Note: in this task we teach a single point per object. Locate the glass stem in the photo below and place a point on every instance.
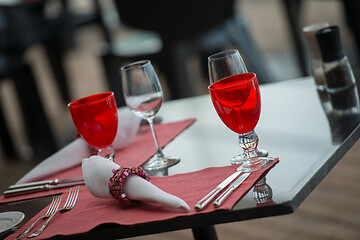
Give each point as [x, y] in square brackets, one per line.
[249, 142]
[159, 152]
[108, 153]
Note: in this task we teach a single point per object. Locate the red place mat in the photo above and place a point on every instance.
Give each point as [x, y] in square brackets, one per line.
[138, 152]
[90, 212]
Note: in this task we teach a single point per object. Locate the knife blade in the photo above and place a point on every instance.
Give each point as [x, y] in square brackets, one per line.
[205, 200]
[230, 189]
[50, 182]
[40, 188]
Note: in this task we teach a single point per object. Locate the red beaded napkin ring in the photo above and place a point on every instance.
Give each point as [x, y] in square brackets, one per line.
[117, 180]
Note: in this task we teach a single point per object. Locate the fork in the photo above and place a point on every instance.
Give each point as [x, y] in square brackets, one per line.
[54, 205]
[69, 204]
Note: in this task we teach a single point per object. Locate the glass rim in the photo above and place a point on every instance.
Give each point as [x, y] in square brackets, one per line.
[222, 54]
[77, 103]
[134, 65]
[253, 76]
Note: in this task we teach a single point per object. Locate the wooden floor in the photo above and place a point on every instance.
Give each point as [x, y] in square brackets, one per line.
[332, 211]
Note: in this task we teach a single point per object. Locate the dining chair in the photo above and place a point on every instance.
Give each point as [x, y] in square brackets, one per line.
[184, 29]
[24, 24]
[33, 114]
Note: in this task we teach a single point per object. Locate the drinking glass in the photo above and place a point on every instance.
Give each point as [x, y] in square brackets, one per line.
[144, 96]
[225, 64]
[96, 119]
[236, 97]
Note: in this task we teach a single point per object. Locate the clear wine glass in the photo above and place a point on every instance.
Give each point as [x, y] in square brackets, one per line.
[225, 64]
[144, 96]
[96, 119]
[236, 97]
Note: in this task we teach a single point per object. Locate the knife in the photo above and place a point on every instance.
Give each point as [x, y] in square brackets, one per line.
[40, 188]
[228, 191]
[50, 182]
[205, 200]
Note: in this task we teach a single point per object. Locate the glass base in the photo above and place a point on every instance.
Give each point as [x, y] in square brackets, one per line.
[262, 153]
[242, 157]
[161, 163]
[158, 173]
[254, 164]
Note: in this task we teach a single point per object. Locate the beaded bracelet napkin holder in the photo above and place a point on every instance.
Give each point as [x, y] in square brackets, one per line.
[106, 179]
[117, 180]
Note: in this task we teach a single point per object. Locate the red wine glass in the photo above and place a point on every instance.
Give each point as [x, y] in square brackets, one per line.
[225, 64]
[96, 119]
[236, 97]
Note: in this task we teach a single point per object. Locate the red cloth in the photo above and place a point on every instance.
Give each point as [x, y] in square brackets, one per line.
[137, 153]
[90, 212]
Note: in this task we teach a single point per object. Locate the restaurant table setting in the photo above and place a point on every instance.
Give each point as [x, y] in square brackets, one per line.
[102, 211]
[179, 188]
[173, 191]
[110, 165]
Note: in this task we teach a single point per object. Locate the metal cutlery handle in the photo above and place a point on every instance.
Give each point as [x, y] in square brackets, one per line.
[223, 196]
[43, 226]
[21, 191]
[230, 189]
[32, 184]
[22, 235]
[45, 182]
[69, 204]
[205, 200]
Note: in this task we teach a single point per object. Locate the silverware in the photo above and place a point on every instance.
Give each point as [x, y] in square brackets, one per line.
[211, 195]
[230, 189]
[40, 188]
[69, 204]
[51, 210]
[50, 182]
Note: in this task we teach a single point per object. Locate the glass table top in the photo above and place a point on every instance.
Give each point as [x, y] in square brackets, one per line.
[293, 126]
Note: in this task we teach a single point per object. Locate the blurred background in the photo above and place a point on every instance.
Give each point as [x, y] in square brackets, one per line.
[55, 51]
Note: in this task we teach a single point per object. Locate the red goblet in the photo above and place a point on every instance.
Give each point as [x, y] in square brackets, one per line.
[237, 102]
[96, 119]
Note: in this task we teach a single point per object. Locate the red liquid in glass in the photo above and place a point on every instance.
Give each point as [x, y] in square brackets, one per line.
[237, 101]
[96, 119]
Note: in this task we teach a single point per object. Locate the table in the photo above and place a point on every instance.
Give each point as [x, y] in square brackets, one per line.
[293, 126]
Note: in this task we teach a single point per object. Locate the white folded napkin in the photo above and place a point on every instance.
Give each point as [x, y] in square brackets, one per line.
[72, 154]
[97, 172]
[128, 125]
